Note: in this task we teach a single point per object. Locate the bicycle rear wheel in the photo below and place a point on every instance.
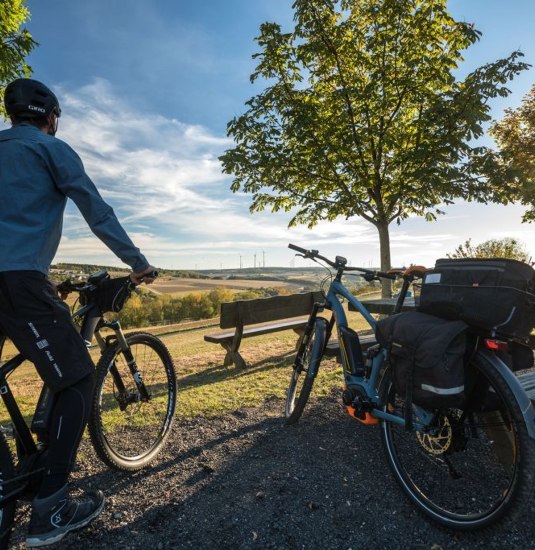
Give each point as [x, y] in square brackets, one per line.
[128, 429]
[7, 512]
[476, 466]
[306, 367]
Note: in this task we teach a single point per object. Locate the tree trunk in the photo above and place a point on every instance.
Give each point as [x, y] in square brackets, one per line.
[384, 247]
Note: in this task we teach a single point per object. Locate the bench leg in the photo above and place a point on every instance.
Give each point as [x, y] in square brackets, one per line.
[228, 357]
[233, 358]
[239, 361]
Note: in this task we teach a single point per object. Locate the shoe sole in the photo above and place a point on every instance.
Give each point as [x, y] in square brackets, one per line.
[34, 542]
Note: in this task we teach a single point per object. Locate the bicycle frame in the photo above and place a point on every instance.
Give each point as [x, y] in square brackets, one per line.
[368, 383]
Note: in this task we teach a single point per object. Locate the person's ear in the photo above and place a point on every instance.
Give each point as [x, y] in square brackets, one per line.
[52, 126]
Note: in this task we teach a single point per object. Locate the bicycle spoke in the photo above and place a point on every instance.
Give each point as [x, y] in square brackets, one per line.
[129, 425]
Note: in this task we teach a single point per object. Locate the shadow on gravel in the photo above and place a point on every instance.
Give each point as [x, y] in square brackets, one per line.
[247, 481]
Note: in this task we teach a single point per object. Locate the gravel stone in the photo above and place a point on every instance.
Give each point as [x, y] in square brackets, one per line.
[247, 481]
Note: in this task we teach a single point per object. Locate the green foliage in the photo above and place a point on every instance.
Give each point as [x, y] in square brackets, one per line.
[183, 274]
[515, 136]
[15, 43]
[145, 308]
[254, 293]
[363, 115]
[493, 248]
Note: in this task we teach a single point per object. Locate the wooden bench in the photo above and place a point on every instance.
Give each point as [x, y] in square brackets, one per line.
[248, 318]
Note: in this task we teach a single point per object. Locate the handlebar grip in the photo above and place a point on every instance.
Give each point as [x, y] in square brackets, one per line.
[297, 248]
[153, 274]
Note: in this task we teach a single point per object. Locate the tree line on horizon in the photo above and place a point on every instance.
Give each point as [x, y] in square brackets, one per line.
[88, 269]
[146, 308]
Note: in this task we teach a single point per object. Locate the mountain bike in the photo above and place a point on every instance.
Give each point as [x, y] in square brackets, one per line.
[133, 403]
[464, 468]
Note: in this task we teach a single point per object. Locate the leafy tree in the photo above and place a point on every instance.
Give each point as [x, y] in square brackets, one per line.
[145, 308]
[515, 135]
[134, 313]
[364, 116]
[15, 43]
[218, 296]
[493, 248]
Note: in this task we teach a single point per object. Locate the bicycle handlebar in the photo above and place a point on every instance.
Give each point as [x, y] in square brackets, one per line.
[68, 286]
[368, 274]
[153, 274]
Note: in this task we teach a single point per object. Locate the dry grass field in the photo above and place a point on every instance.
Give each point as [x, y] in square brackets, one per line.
[187, 286]
[205, 387]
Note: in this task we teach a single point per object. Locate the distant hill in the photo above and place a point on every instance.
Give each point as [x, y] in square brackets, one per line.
[87, 269]
[307, 277]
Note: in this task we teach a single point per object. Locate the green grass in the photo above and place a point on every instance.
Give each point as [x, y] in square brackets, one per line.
[205, 386]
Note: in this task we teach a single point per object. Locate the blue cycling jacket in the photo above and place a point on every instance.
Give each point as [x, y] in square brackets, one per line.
[37, 174]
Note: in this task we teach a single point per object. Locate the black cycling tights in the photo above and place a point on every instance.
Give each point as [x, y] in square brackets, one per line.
[69, 417]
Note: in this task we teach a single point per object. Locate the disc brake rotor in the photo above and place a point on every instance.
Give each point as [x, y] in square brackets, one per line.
[439, 440]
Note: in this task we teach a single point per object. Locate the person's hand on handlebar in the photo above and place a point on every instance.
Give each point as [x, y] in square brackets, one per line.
[146, 276]
[60, 289]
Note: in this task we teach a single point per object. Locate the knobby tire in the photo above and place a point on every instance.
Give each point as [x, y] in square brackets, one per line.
[305, 370]
[130, 439]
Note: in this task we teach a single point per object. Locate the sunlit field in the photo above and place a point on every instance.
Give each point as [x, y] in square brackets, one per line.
[205, 386]
[175, 285]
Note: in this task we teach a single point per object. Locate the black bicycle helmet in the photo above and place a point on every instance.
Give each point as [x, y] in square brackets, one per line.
[30, 98]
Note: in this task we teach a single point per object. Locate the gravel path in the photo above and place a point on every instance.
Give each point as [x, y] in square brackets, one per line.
[247, 481]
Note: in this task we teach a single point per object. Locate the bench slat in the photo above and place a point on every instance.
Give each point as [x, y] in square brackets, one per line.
[263, 310]
[256, 330]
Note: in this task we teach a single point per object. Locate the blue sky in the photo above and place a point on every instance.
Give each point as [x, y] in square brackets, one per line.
[147, 88]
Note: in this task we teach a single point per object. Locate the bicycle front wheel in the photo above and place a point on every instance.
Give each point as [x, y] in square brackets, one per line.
[474, 466]
[132, 411]
[7, 511]
[306, 368]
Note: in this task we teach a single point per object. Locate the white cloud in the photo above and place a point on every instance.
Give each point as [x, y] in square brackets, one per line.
[144, 165]
[164, 180]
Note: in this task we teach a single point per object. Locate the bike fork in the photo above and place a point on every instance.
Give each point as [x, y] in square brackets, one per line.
[131, 363]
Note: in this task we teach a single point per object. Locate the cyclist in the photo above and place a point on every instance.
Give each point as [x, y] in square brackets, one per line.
[38, 172]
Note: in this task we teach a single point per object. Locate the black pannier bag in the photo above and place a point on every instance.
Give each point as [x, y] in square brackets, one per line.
[427, 358]
[492, 295]
[109, 294]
